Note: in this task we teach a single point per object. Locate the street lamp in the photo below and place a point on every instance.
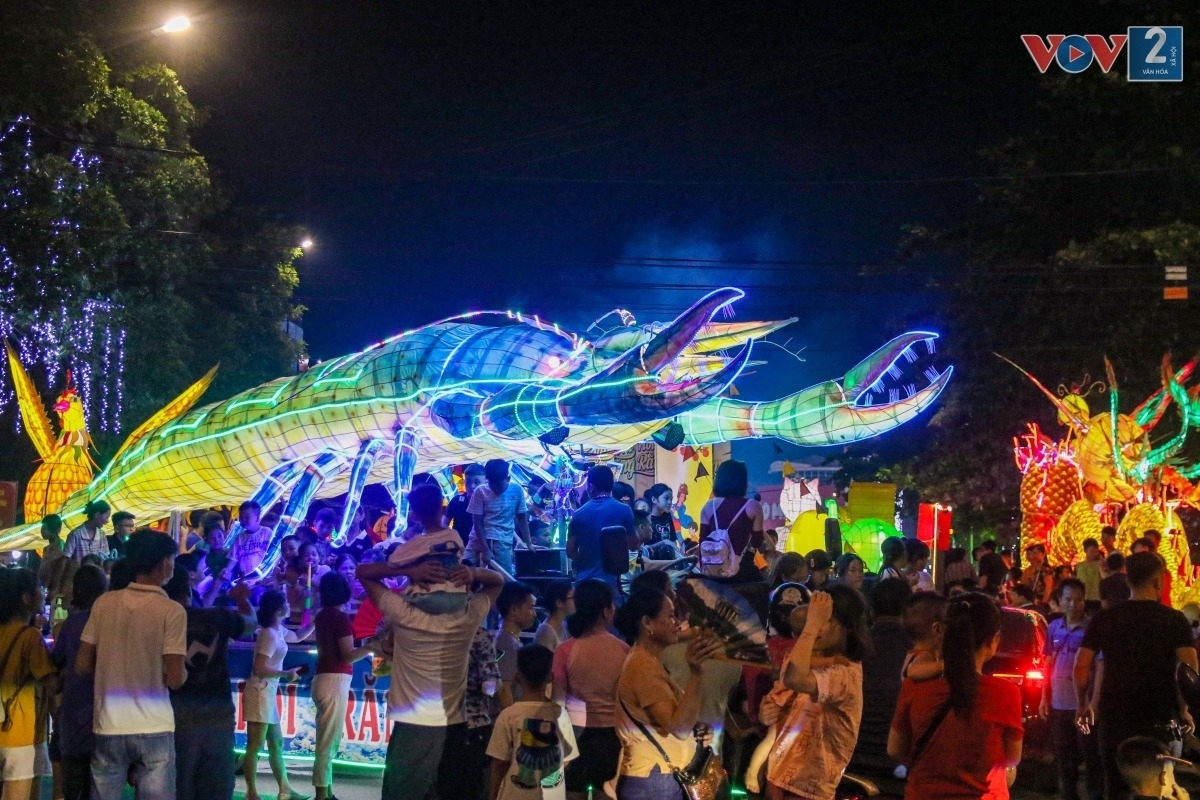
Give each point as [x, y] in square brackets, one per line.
[176, 24]
[306, 244]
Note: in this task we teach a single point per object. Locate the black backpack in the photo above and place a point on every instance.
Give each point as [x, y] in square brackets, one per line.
[614, 550]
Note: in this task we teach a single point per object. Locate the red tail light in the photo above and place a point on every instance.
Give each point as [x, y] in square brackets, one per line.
[1035, 675]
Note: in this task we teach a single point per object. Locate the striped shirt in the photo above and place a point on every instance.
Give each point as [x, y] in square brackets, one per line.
[81, 542]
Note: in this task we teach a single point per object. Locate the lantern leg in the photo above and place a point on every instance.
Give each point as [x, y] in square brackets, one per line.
[274, 487]
[408, 440]
[364, 462]
[306, 488]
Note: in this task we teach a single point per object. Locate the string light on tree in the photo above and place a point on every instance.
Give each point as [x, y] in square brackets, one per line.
[54, 330]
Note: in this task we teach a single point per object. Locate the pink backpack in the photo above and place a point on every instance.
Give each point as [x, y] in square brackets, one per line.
[717, 556]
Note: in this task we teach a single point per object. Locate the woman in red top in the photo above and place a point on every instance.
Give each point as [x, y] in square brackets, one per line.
[958, 734]
[336, 655]
[742, 518]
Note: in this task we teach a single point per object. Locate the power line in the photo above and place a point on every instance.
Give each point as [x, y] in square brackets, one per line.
[419, 176]
[641, 110]
[948, 179]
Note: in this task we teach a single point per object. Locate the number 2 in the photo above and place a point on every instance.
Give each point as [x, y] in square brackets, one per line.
[1153, 57]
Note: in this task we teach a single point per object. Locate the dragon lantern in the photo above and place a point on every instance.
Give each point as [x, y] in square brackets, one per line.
[459, 390]
[1107, 463]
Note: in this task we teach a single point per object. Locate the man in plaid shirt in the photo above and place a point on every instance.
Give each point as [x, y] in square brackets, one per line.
[89, 539]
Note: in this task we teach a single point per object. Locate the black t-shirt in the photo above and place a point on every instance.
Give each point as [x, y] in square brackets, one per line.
[664, 528]
[882, 668]
[992, 566]
[205, 698]
[460, 520]
[357, 546]
[1115, 588]
[116, 546]
[1138, 639]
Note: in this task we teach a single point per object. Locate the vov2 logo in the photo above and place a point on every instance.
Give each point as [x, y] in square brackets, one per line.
[1155, 52]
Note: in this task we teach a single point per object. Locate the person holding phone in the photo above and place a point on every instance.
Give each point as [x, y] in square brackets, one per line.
[262, 715]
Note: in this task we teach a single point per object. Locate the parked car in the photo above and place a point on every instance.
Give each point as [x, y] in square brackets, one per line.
[1020, 660]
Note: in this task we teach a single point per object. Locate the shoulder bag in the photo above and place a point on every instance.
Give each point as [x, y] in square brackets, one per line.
[1010, 773]
[703, 778]
[923, 742]
[6, 722]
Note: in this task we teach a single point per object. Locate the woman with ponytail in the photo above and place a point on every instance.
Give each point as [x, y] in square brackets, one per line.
[586, 669]
[958, 734]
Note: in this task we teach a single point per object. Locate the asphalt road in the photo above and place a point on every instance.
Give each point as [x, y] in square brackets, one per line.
[369, 786]
[345, 787]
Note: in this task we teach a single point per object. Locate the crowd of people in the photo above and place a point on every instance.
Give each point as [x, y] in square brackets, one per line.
[576, 687]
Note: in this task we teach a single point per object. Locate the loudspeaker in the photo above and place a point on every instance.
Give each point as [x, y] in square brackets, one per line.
[833, 538]
[534, 563]
[614, 550]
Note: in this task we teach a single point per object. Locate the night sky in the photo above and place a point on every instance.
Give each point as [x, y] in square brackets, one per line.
[569, 158]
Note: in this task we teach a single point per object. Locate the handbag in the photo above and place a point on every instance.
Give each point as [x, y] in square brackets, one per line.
[703, 778]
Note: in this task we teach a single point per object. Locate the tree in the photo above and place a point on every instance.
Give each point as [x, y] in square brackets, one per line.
[119, 258]
[1060, 264]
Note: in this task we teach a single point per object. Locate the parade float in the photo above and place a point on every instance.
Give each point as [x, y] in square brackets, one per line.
[487, 385]
[654, 400]
[1112, 468]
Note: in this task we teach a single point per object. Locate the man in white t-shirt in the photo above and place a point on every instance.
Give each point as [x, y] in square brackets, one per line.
[500, 512]
[430, 652]
[135, 642]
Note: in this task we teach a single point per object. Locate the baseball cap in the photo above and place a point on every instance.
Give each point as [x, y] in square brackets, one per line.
[440, 598]
[443, 545]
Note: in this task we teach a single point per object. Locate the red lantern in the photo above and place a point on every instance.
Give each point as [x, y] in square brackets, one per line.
[934, 522]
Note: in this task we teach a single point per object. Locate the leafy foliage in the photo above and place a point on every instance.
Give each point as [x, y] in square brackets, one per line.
[1059, 265]
[115, 203]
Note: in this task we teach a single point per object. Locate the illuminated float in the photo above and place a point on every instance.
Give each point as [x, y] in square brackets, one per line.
[1105, 470]
[486, 385]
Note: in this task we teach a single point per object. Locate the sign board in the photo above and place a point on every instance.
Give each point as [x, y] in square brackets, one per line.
[366, 730]
[689, 472]
[872, 501]
[1175, 293]
[8, 504]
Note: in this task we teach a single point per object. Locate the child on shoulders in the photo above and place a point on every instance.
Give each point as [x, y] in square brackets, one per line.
[924, 620]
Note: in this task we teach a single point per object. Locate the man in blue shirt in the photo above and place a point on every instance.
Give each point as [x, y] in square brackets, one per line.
[584, 546]
[1071, 748]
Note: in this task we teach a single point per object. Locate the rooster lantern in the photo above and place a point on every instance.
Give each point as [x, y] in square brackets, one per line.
[66, 464]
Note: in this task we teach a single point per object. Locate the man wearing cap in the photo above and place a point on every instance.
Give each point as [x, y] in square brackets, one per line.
[432, 626]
